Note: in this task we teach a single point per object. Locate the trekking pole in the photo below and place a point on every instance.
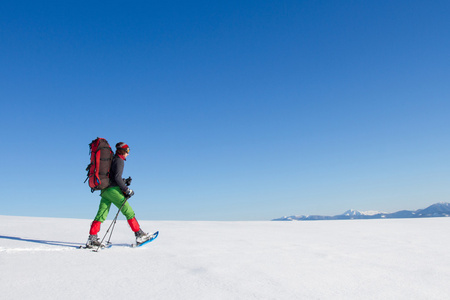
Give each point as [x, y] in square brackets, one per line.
[115, 219]
[112, 223]
[112, 230]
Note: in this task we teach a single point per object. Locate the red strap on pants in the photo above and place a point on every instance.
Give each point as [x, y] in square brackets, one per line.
[95, 227]
[134, 224]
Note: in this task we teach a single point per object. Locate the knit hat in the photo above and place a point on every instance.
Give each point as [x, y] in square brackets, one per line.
[123, 146]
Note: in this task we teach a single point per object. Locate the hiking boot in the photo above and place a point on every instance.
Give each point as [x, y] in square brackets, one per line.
[94, 241]
[142, 236]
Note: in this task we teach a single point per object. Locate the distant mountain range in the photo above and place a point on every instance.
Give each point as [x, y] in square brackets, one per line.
[436, 210]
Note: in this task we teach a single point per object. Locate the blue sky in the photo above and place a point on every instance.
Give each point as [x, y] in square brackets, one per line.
[234, 110]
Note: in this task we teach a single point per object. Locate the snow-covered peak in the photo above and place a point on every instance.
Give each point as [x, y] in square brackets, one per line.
[441, 209]
[353, 212]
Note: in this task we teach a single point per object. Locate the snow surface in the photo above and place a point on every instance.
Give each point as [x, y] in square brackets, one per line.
[350, 259]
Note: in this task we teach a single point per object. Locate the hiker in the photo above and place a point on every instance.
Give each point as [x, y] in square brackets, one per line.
[116, 193]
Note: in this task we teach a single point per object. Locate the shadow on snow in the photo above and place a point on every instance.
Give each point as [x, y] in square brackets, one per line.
[51, 243]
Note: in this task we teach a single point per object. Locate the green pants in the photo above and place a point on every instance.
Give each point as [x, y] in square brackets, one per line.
[113, 195]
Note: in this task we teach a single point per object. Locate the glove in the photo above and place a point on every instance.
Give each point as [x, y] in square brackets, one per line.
[129, 193]
[127, 181]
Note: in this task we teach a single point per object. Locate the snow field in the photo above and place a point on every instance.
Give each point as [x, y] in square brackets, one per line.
[355, 259]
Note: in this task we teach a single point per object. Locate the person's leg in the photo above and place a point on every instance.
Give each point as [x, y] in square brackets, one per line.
[103, 210]
[134, 225]
[129, 214]
[102, 213]
[116, 196]
[95, 227]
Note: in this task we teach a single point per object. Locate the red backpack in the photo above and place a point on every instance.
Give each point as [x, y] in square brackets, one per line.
[98, 169]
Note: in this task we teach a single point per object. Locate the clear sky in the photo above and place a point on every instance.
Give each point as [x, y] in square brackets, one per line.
[234, 110]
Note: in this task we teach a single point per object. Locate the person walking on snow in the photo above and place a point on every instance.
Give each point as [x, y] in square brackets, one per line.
[117, 193]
